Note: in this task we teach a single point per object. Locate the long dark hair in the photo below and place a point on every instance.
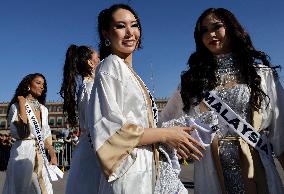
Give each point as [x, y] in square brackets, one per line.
[200, 77]
[76, 63]
[104, 20]
[23, 89]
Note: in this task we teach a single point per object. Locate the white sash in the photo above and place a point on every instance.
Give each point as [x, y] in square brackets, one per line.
[53, 171]
[238, 125]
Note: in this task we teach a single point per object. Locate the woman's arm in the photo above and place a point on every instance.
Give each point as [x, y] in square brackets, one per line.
[22, 110]
[21, 123]
[51, 151]
[175, 137]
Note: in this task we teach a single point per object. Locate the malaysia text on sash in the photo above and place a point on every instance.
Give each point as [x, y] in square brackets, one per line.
[237, 124]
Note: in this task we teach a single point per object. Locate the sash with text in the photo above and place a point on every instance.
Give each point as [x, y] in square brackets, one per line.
[53, 171]
[238, 125]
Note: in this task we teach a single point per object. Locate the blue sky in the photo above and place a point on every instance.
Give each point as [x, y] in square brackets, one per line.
[34, 36]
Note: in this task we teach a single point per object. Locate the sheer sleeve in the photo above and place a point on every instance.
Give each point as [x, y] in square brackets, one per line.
[173, 108]
[276, 95]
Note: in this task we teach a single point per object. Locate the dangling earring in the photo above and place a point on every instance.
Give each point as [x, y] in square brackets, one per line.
[107, 42]
[29, 88]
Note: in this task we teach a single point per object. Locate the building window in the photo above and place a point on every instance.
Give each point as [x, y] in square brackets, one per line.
[49, 108]
[51, 122]
[59, 109]
[3, 125]
[59, 121]
[2, 111]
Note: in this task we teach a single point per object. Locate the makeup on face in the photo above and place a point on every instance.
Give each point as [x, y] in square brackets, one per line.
[214, 35]
[37, 86]
[124, 33]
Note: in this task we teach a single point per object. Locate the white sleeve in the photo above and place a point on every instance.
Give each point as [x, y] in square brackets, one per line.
[47, 130]
[173, 108]
[12, 117]
[276, 94]
[113, 137]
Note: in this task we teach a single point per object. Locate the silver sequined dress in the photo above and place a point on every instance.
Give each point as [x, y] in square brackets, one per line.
[237, 95]
[237, 98]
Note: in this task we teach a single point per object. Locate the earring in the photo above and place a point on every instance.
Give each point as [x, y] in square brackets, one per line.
[107, 42]
[29, 88]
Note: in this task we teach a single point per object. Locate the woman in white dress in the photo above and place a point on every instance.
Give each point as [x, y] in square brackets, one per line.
[26, 172]
[123, 116]
[226, 63]
[79, 66]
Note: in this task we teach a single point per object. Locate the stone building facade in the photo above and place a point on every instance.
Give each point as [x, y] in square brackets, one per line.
[56, 118]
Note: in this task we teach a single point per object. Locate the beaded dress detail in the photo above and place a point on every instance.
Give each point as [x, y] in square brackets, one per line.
[237, 97]
[34, 104]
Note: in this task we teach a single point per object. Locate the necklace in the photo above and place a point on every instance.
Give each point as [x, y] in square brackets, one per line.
[34, 103]
[226, 70]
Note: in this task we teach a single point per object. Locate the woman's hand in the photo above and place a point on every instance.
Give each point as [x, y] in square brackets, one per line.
[21, 99]
[180, 139]
[53, 158]
[22, 109]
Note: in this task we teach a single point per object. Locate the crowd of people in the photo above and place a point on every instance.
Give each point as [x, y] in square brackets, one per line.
[226, 115]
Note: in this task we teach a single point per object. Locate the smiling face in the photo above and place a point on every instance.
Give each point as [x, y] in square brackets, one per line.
[124, 33]
[215, 36]
[37, 87]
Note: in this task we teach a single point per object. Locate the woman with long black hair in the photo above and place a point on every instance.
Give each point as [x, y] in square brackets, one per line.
[27, 170]
[227, 67]
[123, 116]
[78, 80]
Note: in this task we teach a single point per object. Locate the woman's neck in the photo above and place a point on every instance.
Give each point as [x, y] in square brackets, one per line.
[128, 60]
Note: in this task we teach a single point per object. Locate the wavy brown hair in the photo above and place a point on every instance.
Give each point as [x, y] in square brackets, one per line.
[104, 20]
[76, 64]
[200, 78]
[23, 89]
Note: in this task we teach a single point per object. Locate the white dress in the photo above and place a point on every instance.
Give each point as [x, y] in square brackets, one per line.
[119, 110]
[85, 175]
[21, 177]
[205, 175]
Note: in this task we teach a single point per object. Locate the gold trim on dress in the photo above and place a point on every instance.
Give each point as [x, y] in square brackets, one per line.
[119, 146]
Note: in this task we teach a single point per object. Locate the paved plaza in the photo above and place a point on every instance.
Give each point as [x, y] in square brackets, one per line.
[59, 186]
[186, 177]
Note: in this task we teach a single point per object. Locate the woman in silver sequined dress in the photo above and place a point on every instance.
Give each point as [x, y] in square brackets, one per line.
[226, 62]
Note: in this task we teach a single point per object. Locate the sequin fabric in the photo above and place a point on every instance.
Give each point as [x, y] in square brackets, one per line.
[226, 69]
[168, 183]
[229, 158]
[237, 97]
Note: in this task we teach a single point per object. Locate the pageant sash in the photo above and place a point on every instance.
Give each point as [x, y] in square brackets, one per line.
[238, 125]
[52, 170]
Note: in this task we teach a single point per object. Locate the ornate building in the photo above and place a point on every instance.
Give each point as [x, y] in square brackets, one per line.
[56, 118]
